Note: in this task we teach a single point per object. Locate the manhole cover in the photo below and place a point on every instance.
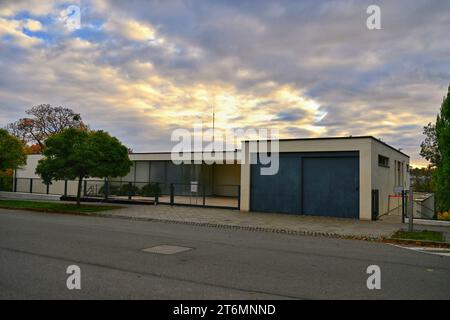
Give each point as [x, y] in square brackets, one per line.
[166, 249]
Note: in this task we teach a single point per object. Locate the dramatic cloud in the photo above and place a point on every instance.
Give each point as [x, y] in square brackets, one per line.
[140, 69]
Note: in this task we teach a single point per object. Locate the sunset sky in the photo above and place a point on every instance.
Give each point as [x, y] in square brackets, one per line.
[140, 69]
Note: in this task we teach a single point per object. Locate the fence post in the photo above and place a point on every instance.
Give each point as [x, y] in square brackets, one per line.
[411, 209]
[204, 194]
[239, 197]
[403, 206]
[156, 192]
[171, 194]
[65, 187]
[85, 188]
[106, 189]
[130, 185]
[31, 185]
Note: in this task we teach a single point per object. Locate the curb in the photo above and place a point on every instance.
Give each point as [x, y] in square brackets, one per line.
[248, 228]
[423, 243]
[221, 226]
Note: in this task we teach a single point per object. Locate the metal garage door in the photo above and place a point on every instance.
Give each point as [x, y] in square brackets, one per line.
[324, 184]
[280, 192]
[330, 186]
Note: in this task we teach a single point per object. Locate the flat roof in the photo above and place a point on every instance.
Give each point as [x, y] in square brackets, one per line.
[333, 138]
[294, 139]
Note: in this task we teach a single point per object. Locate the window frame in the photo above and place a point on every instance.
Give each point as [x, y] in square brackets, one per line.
[382, 163]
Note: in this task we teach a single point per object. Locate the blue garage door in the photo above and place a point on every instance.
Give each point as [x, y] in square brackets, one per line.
[325, 184]
[330, 186]
[280, 192]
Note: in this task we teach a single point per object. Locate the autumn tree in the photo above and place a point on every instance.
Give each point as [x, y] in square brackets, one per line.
[43, 122]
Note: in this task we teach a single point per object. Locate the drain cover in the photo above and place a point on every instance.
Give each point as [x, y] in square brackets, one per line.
[166, 249]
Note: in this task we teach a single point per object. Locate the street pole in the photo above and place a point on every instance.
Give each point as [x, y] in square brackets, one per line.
[411, 210]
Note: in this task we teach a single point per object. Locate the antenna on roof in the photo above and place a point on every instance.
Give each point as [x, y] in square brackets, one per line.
[213, 125]
[214, 116]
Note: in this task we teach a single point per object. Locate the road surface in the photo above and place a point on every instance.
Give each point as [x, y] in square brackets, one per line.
[37, 248]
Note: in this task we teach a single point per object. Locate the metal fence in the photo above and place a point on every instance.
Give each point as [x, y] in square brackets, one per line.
[204, 195]
[194, 194]
[425, 206]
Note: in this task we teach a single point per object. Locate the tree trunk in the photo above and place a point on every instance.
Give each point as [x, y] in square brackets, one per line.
[80, 180]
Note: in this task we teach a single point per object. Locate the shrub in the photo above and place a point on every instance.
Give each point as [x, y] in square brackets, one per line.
[127, 190]
[6, 183]
[444, 215]
[112, 190]
[150, 190]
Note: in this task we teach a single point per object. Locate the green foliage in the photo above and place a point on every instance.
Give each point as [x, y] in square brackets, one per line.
[442, 175]
[111, 156]
[419, 235]
[12, 153]
[126, 190]
[422, 179]
[429, 147]
[112, 190]
[77, 154]
[123, 190]
[6, 183]
[67, 155]
[436, 149]
[150, 190]
[54, 206]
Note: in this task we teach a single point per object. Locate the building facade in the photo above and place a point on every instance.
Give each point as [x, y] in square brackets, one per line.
[348, 177]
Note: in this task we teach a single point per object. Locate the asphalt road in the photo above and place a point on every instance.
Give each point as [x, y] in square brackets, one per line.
[36, 249]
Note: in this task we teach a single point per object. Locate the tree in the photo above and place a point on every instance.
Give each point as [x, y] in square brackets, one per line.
[45, 122]
[111, 156]
[429, 147]
[443, 167]
[12, 153]
[77, 154]
[436, 149]
[422, 179]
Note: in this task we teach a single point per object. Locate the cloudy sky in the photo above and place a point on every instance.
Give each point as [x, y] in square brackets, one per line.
[140, 69]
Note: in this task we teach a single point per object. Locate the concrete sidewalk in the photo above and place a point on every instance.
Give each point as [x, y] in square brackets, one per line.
[281, 223]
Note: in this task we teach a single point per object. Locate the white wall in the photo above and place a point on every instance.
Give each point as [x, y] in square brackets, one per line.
[27, 171]
[385, 179]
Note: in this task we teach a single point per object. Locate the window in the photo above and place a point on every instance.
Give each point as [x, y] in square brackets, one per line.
[383, 161]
